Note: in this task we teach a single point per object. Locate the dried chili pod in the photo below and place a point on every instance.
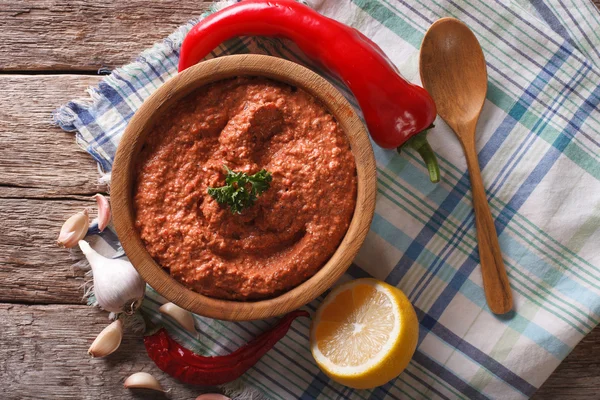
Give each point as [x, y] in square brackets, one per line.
[192, 368]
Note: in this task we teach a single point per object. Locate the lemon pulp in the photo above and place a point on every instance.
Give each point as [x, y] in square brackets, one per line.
[364, 334]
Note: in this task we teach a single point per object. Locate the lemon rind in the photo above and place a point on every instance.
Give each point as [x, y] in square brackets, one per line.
[380, 357]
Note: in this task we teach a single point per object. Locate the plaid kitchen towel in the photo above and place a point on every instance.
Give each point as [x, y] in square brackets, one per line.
[539, 150]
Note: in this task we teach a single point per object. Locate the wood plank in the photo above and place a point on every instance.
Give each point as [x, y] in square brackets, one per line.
[38, 159]
[85, 35]
[42, 341]
[32, 268]
[578, 376]
[44, 355]
[30, 41]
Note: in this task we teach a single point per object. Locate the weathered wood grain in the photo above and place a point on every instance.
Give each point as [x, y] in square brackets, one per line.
[42, 351]
[578, 376]
[32, 268]
[85, 35]
[44, 356]
[38, 159]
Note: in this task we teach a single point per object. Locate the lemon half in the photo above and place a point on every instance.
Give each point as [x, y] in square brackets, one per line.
[364, 333]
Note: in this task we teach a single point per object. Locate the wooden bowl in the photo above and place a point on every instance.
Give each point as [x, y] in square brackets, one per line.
[123, 176]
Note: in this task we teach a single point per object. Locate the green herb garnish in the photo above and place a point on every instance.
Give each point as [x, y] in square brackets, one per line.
[241, 190]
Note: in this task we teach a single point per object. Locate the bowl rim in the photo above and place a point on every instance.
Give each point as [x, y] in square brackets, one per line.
[204, 73]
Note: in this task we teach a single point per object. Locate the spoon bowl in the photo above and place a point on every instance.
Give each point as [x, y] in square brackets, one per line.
[453, 71]
[450, 44]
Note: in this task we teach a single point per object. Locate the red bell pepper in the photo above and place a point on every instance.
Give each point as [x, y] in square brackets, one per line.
[395, 110]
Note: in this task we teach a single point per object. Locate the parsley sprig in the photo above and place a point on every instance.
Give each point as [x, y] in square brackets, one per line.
[241, 190]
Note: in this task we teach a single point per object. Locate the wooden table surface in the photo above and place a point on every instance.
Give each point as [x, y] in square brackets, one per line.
[50, 52]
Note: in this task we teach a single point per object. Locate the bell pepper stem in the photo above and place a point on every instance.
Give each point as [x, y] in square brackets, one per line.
[421, 145]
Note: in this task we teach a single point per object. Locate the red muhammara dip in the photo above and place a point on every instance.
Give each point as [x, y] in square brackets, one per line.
[293, 228]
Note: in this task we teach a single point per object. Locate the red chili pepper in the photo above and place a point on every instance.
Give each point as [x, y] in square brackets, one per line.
[395, 110]
[189, 367]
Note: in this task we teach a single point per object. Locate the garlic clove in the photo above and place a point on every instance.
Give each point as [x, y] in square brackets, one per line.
[108, 341]
[212, 396]
[183, 317]
[73, 230]
[65, 238]
[142, 380]
[104, 213]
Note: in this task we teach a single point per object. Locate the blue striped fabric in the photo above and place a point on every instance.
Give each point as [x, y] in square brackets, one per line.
[539, 150]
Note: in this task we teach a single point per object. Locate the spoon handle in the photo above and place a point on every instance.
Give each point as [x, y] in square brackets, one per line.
[495, 280]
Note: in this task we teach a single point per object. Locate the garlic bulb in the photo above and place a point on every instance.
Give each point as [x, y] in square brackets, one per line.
[183, 317]
[73, 230]
[142, 380]
[104, 213]
[108, 341]
[117, 285]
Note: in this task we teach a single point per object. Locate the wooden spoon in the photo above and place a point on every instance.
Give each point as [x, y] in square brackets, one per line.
[453, 71]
